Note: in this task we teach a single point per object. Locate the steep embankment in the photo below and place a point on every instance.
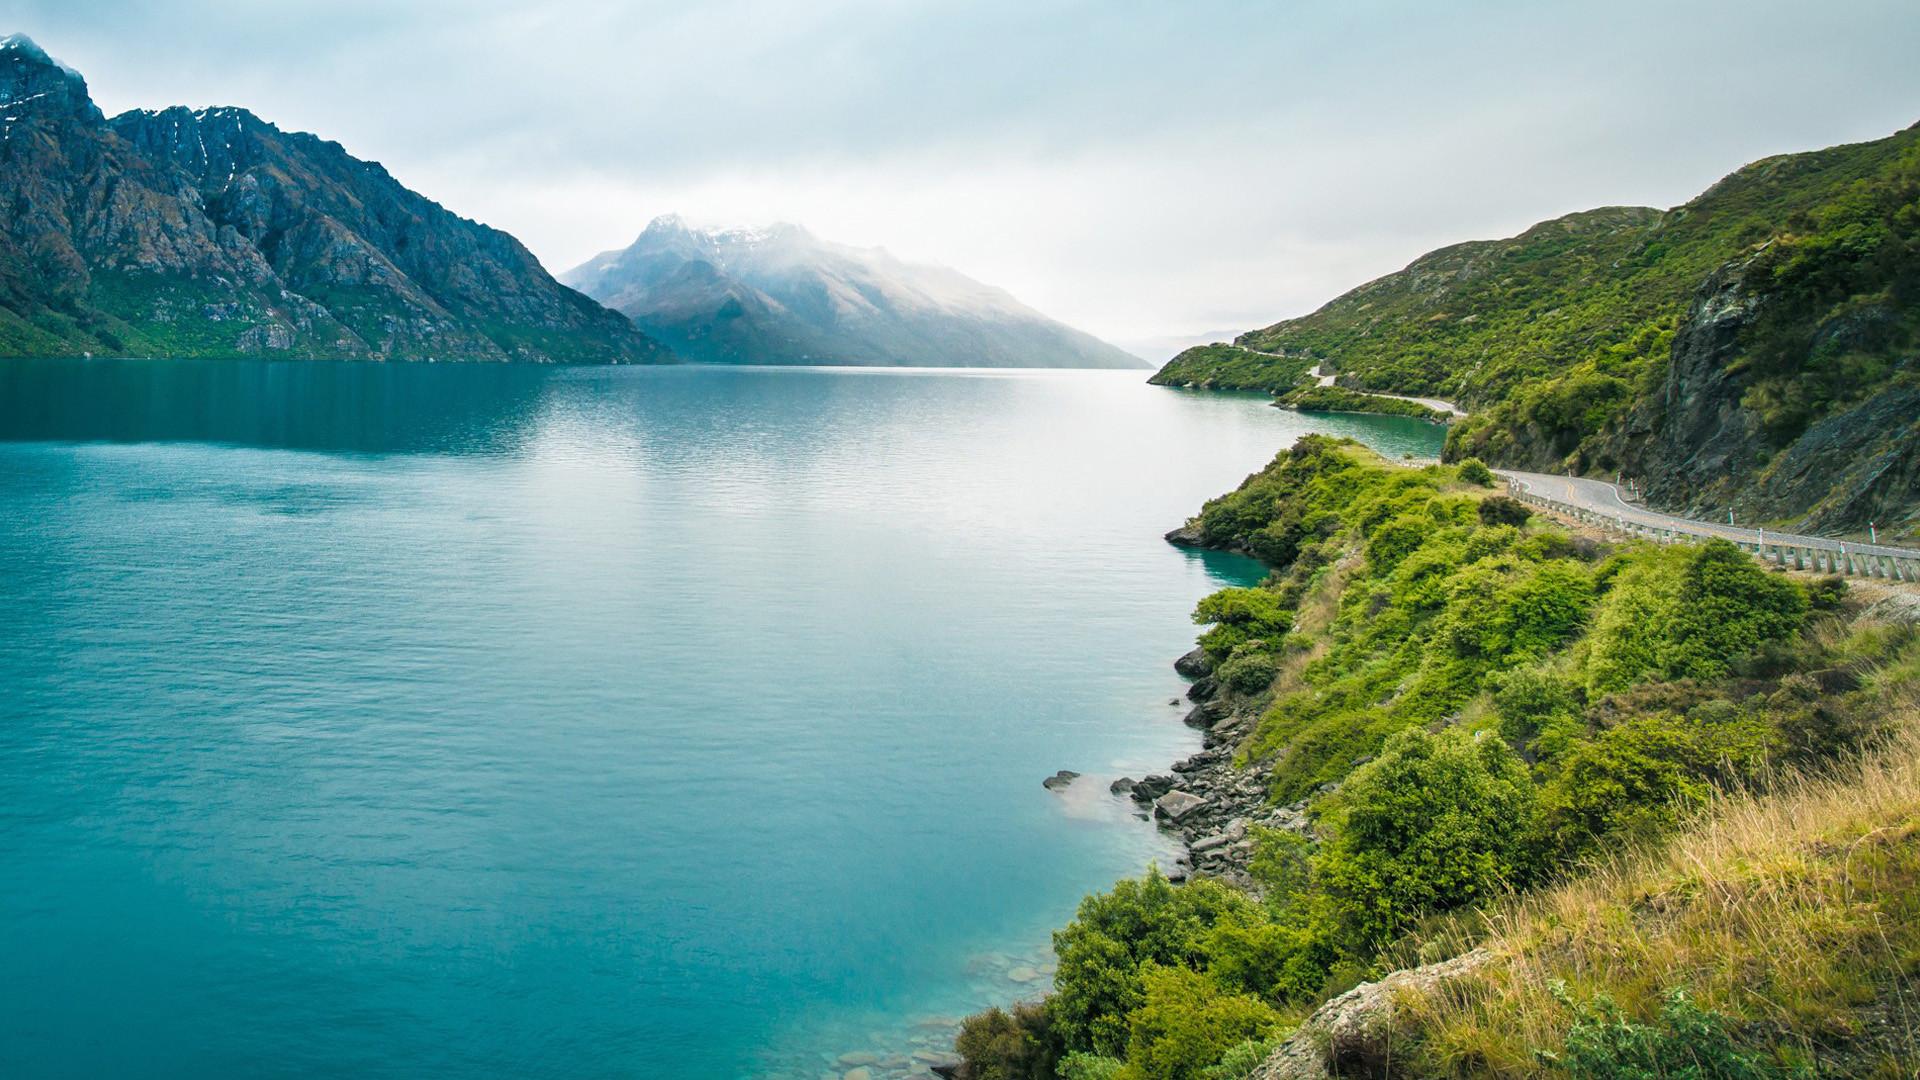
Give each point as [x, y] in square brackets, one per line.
[211, 232]
[1754, 347]
[1448, 702]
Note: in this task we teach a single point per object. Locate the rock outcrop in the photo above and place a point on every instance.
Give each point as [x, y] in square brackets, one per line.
[1702, 448]
[1353, 1034]
[211, 232]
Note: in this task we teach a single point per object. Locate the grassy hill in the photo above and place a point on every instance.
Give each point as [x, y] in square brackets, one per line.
[1783, 303]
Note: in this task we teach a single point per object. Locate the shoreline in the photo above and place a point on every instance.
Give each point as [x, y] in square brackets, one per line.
[1206, 801]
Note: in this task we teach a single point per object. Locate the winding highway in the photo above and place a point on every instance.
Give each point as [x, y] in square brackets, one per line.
[1604, 499]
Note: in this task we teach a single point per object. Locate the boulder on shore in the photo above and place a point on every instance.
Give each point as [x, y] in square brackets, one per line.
[1188, 535]
[1151, 788]
[1195, 665]
[1175, 805]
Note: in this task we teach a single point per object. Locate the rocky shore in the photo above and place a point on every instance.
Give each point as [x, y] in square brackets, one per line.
[1208, 801]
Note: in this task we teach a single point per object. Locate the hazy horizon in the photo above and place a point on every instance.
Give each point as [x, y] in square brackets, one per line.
[1149, 175]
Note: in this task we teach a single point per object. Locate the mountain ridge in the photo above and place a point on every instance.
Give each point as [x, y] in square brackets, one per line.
[212, 232]
[778, 294]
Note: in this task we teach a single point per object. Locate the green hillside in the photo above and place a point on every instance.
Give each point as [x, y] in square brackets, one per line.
[1625, 339]
[1458, 710]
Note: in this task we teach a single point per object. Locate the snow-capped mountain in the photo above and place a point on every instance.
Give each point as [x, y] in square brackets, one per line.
[780, 295]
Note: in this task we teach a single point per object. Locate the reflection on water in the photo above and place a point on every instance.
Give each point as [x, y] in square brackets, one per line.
[412, 721]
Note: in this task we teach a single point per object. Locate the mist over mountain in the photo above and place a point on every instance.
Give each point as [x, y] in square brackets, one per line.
[780, 295]
[211, 232]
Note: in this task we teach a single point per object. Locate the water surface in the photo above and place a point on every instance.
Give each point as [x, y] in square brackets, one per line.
[363, 720]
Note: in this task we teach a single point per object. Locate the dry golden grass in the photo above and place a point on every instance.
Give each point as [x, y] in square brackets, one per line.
[1796, 913]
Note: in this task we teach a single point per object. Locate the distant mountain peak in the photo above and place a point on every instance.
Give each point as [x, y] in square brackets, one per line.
[778, 294]
[666, 224]
[672, 228]
[30, 50]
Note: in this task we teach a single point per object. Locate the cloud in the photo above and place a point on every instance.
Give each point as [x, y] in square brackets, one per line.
[1139, 169]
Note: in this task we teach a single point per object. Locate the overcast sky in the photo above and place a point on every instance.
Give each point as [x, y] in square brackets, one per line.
[1142, 170]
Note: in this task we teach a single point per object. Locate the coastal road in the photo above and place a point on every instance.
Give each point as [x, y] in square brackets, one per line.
[1600, 497]
[1324, 378]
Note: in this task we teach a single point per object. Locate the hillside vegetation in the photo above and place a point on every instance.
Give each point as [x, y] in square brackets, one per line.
[1470, 703]
[1716, 350]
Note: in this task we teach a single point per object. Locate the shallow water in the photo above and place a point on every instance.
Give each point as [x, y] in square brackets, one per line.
[360, 720]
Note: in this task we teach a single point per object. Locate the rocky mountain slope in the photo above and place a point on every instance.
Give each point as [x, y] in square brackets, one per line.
[211, 232]
[1754, 348]
[783, 296]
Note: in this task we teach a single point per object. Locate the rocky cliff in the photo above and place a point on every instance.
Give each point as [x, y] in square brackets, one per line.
[211, 232]
[1706, 440]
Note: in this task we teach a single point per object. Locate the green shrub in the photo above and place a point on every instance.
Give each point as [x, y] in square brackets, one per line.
[1685, 1043]
[1539, 710]
[1089, 1067]
[1502, 510]
[1475, 471]
[1435, 822]
[1249, 670]
[1639, 778]
[1238, 616]
[1114, 935]
[1187, 1023]
[1239, 1062]
[1687, 613]
[1016, 1044]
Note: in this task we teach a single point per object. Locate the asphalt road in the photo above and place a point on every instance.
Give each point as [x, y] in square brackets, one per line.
[1604, 498]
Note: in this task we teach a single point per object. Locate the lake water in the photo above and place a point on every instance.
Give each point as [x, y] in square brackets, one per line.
[417, 721]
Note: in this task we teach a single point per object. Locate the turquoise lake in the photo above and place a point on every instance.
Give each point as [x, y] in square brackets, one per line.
[431, 721]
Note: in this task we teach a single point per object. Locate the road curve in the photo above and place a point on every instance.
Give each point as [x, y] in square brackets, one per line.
[1603, 498]
[1322, 377]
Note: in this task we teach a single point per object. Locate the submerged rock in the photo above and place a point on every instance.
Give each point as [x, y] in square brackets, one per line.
[1122, 786]
[1058, 781]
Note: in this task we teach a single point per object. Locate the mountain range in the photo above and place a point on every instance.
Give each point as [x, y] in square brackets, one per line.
[210, 232]
[780, 295]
